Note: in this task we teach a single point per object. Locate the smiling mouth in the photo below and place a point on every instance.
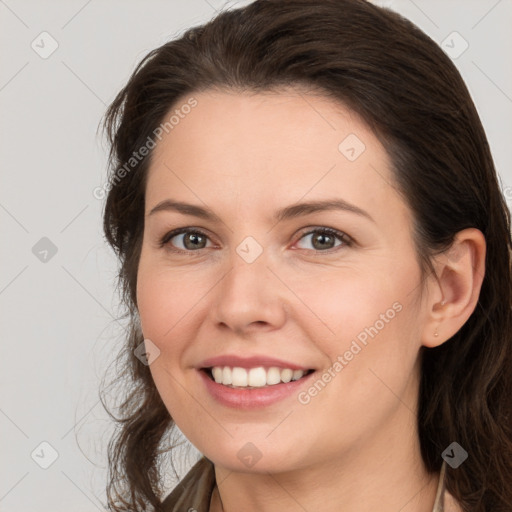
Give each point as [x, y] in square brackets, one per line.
[253, 378]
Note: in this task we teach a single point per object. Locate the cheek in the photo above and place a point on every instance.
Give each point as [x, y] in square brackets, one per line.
[347, 303]
[163, 296]
[365, 317]
[161, 301]
[171, 304]
[163, 305]
[152, 303]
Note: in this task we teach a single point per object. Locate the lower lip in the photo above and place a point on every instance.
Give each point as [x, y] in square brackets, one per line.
[240, 398]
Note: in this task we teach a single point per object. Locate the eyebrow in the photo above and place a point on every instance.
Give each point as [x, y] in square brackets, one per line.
[289, 212]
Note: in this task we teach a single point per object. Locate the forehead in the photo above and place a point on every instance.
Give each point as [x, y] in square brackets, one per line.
[268, 146]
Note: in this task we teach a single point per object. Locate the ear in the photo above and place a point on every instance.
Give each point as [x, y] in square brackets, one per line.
[455, 289]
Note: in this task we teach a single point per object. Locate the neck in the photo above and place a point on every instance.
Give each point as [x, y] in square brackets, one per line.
[385, 474]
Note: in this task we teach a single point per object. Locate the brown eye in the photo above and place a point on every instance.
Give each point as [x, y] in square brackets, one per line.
[190, 240]
[324, 239]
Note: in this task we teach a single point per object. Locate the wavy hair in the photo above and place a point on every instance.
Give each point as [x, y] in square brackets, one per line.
[411, 95]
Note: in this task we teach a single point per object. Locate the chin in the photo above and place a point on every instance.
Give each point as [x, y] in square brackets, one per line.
[258, 458]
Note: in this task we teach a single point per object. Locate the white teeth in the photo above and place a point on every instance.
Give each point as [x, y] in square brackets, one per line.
[257, 377]
[286, 375]
[273, 376]
[226, 375]
[297, 374]
[254, 377]
[217, 374]
[239, 377]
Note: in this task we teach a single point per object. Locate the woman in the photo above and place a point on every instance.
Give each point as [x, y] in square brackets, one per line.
[316, 259]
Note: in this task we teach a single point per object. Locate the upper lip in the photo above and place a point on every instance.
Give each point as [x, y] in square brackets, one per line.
[249, 362]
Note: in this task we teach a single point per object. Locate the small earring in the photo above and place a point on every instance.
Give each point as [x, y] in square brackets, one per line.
[436, 334]
[443, 303]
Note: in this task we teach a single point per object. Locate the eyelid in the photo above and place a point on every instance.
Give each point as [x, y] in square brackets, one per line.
[164, 241]
[314, 229]
[347, 240]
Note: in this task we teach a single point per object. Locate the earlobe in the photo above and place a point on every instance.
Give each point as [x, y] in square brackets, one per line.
[461, 270]
[436, 334]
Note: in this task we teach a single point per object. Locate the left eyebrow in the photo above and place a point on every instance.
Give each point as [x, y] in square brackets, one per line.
[301, 209]
[289, 212]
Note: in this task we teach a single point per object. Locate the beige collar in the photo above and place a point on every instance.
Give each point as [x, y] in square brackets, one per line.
[439, 501]
[444, 501]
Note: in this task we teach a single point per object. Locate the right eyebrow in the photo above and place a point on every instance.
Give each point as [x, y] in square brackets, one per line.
[186, 209]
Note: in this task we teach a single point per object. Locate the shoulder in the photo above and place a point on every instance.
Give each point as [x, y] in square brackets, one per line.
[194, 491]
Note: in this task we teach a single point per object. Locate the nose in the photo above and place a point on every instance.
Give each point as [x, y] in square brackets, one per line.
[249, 297]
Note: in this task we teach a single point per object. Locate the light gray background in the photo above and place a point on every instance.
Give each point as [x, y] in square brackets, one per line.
[58, 316]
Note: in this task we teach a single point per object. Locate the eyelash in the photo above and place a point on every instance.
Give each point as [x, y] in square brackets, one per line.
[347, 240]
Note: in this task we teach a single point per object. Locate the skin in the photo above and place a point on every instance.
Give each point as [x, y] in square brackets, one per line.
[355, 443]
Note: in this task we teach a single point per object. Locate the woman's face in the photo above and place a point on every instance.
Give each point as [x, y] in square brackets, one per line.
[253, 283]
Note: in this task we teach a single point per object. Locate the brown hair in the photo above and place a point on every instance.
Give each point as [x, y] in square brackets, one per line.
[410, 93]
